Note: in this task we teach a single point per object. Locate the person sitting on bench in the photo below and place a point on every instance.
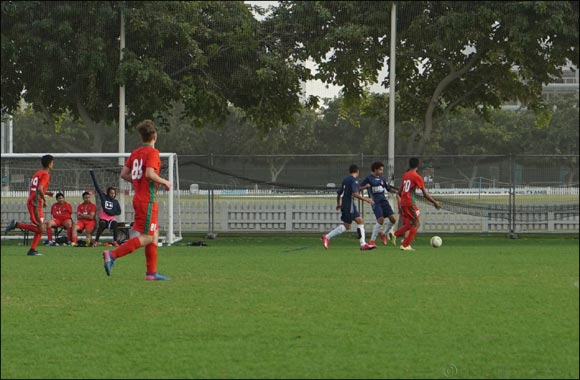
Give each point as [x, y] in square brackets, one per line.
[110, 208]
[61, 212]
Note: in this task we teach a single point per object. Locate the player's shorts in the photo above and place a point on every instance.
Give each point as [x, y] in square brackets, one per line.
[60, 222]
[86, 225]
[36, 213]
[409, 214]
[146, 217]
[383, 209]
[348, 217]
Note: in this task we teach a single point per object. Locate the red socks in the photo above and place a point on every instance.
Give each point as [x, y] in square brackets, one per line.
[151, 257]
[126, 248]
[409, 239]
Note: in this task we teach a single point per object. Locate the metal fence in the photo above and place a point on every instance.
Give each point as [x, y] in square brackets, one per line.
[296, 193]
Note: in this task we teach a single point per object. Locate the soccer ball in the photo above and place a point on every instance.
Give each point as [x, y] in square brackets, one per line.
[436, 242]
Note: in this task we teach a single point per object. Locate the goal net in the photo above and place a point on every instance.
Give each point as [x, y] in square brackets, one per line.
[71, 176]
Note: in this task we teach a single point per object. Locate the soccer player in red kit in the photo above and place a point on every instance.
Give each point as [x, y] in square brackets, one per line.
[86, 222]
[36, 201]
[408, 205]
[142, 170]
[61, 212]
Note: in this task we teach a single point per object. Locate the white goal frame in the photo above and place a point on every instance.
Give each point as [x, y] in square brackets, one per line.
[173, 235]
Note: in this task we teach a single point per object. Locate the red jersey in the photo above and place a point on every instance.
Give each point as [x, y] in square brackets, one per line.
[142, 158]
[40, 178]
[61, 211]
[409, 183]
[86, 209]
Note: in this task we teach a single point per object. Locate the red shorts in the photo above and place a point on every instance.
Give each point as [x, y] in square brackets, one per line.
[409, 214]
[86, 225]
[36, 213]
[146, 219]
[60, 222]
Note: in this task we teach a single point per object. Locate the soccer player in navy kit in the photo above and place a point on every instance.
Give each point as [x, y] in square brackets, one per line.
[348, 191]
[376, 185]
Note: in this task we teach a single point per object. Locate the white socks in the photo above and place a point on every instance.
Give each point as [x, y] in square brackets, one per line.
[388, 225]
[340, 229]
[361, 228]
[376, 230]
[337, 231]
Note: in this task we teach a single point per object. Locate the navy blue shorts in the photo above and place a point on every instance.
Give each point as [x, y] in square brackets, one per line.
[382, 209]
[348, 217]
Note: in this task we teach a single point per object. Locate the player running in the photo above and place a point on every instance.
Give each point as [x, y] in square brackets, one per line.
[348, 191]
[142, 169]
[36, 201]
[376, 185]
[408, 204]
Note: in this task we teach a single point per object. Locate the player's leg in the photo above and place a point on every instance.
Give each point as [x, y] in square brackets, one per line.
[142, 226]
[102, 227]
[68, 226]
[49, 225]
[347, 219]
[389, 230]
[389, 214]
[90, 227]
[151, 249]
[114, 227]
[36, 217]
[377, 227]
[414, 221]
[360, 230]
[78, 227]
[406, 215]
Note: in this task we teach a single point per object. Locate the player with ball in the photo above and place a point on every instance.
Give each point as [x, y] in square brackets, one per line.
[408, 204]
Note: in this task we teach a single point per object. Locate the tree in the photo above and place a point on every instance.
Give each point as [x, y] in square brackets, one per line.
[450, 53]
[64, 57]
[239, 135]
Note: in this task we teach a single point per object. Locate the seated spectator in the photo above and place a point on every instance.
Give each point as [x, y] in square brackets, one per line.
[110, 208]
[61, 212]
[85, 219]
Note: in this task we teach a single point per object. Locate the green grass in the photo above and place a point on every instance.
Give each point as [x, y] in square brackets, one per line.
[283, 307]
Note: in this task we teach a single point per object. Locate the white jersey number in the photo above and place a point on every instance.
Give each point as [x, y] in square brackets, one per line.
[406, 185]
[137, 171]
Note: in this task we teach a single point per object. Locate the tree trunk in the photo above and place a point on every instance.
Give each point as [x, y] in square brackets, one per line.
[96, 128]
[275, 171]
[436, 96]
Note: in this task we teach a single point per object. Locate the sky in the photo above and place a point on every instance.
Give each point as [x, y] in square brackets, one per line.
[317, 87]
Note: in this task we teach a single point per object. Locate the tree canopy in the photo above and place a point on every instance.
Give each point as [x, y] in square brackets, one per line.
[64, 57]
[473, 54]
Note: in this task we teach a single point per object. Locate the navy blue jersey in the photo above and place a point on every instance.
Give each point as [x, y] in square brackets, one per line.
[349, 187]
[110, 206]
[377, 189]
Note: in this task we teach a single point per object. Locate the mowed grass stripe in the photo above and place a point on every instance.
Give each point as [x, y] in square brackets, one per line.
[283, 307]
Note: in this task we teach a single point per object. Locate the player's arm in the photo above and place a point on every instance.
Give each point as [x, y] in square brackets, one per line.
[97, 188]
[126, 174]
[80, 215]
[151, 175]
[40, 190]
[365, 184]
[338, 204]
[430, 198]
[364, 199]
[391, 189]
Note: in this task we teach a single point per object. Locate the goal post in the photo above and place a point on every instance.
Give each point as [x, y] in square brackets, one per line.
[71, 176]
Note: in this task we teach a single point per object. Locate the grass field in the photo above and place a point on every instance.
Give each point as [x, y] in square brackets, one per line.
[283, 307]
